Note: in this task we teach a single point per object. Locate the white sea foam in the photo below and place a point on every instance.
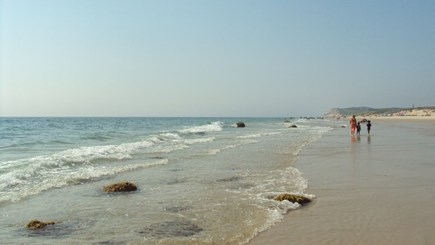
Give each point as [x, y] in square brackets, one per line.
[30, 181]
[165, 136]
[211, 127]
[82, 155]
[168, 148]
[213, 151]
[30, 176]
[8, 180]
[200, 140]
[166, 142]
[257, 135]
[249, 136]
[88, 154]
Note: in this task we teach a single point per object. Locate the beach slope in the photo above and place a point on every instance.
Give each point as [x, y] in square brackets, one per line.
[376, 189]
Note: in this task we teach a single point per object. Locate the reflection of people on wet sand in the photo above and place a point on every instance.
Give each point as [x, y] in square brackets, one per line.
[369, 126]
[354, 139]
[358, 129]
[352, 125]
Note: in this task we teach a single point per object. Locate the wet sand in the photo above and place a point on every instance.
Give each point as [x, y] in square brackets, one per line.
[377, 189]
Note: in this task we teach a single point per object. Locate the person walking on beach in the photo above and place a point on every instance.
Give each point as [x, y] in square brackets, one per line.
[352, 125]
[369, 126]
[358, 129]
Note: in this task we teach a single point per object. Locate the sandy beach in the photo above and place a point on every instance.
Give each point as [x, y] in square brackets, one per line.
[376, 189]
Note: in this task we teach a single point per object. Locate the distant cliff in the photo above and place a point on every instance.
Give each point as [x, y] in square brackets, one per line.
[368, 111]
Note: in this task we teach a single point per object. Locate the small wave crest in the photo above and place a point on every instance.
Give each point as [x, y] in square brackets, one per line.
[257, 135]
[86, 155]
[203, 129]
[201, 140]
[32, 180]
[82, 155]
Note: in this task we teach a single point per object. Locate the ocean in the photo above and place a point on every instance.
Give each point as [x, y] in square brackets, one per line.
[200, 180]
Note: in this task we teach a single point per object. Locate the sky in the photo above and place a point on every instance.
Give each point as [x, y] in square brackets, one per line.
[203, 58]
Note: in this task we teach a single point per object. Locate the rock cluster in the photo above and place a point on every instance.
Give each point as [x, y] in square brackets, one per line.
[120, 187]
[117, 187]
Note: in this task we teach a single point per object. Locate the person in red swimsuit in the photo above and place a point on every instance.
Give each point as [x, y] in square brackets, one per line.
[352, 125]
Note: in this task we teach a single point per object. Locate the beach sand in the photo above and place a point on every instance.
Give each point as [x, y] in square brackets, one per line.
[369, 190]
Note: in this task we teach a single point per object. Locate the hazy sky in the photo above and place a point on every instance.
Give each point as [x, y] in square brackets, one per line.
[213, 58]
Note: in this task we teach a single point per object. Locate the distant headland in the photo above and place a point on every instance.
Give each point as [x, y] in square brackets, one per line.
[427, 112]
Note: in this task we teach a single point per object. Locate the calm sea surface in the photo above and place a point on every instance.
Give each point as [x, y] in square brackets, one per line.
[200, 180]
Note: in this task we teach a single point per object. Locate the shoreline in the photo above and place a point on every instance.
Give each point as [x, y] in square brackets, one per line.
[394, 118]
[369, 190]
[403, 118]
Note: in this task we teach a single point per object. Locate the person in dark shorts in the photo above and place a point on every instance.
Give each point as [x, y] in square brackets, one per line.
[369, 126]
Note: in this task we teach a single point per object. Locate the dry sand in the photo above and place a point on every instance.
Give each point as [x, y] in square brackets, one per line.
[370, 190]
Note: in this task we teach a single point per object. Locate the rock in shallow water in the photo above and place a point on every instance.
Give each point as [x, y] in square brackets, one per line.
[120, 187]
[292, 198]
[37, 224]
[240, 124]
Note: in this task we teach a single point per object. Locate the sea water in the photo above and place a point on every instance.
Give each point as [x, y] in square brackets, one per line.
[200, 180]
